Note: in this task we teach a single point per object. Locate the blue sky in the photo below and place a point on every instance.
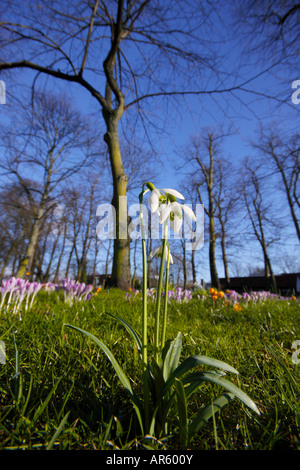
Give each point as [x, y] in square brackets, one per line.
[240, 112]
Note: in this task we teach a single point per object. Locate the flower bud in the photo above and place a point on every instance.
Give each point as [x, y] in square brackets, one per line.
[150, 186]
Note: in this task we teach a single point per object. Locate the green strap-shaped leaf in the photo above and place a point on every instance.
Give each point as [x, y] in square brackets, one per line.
[172, 357]
[194, 361]
[156, 379]
[156, 383]
[208, 411]
[58, 431]
[216, 378]
[119, 371]
[130, 330]
[193, 385]
[182, 414]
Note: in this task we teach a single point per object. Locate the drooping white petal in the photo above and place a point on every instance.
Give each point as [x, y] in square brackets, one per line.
[173, 192]
[176, 223]
[176, 209]
[158, 252]
[189, 212]
[154, 252]
[171, 257]
[164, 212]
[154, 200]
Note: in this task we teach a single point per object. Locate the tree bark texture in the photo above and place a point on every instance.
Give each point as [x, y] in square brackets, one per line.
[120, 275]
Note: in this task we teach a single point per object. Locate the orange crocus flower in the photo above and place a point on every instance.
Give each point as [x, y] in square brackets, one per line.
[237, 308]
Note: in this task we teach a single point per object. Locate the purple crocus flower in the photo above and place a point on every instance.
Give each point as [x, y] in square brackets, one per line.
[75, 291]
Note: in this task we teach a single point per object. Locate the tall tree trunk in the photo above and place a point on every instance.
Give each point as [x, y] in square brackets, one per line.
[46, 275]
[26, 263]
[212, 255]
[107, 259]
[269, 274]
[95, 261]
[288, 189]
[194, 267]
[120, 276]
[212, 235]
[82, 265]
[61, 253]
[224, 254]
[39, 260]
[69, 259]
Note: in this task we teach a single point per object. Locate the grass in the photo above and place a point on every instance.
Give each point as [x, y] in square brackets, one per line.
[58, 390]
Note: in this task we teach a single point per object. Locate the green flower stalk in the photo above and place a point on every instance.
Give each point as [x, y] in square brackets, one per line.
[145, 317]
[159, 293]
[164, 323]
[144, 320]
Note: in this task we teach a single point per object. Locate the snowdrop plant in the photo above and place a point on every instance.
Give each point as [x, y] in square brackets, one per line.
[167, 382]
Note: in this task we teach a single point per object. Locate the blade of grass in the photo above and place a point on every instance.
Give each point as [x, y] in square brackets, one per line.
[58, 431]
[42, 407]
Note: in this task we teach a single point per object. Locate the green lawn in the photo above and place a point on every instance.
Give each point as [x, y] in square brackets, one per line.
[59, 391]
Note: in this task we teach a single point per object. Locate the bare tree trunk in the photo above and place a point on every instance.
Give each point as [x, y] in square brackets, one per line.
[69, 259]
[40, 254]
[224, 254]
[212, 235]
[194, 267]
[208, 173]
[87, 238]
[288, 188]
[61, 253]
[258, 223]
[107, 259]
[269, 275]
[26, 263]
[95, 260]
[46, 275]
[120, 275]
[212, 255]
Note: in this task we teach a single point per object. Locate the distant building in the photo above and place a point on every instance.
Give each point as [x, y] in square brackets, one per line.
[286, 283]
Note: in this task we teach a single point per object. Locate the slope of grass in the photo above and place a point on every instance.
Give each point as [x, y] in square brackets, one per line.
[58, 390]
